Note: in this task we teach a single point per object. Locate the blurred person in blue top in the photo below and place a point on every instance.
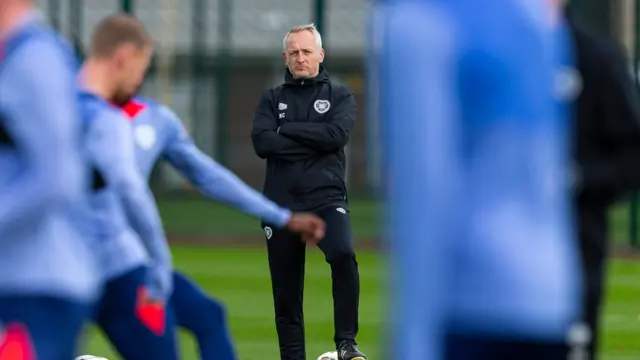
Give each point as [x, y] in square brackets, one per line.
[48, 274]
[135, 257]
[477, 151]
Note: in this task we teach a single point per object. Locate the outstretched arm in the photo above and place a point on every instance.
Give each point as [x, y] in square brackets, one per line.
[215, 181]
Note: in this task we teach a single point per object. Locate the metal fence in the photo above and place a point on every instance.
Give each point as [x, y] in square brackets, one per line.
[214, 58]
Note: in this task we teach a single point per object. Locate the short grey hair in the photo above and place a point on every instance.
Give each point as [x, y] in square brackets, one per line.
[300, 28]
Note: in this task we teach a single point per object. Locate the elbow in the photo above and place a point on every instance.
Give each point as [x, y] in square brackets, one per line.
[335, 144]
[260, 148]
[341, 142]
[261, 153]
[128, 187]
[337, 138]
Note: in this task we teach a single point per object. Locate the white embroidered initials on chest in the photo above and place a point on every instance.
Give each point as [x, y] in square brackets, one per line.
[322, 106]
[145, 136]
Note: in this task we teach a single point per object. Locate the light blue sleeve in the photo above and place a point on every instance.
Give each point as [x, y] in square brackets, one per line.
[214, 180]
[110, 143]
[419, 127]
[44, 121]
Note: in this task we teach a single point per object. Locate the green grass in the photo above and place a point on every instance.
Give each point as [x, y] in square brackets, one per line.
[241, 279]
[621, 327]
[201, 217]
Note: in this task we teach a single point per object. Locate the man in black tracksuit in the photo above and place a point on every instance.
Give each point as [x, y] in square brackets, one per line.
[301, 129]
[607, 151]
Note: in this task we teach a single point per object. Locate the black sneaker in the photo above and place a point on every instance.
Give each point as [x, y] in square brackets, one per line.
[347, 350]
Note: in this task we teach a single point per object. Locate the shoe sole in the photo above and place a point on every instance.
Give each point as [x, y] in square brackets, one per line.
[358, 358]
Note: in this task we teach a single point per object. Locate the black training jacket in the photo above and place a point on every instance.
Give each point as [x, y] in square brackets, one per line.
[301, 128]
[607, 137]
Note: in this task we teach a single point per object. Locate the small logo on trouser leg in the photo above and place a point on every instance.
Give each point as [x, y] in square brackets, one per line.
[268, 232]
[341, 210]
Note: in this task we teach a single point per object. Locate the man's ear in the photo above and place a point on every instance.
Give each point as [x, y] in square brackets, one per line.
[121, 56]
[118, 58]
[321, 55]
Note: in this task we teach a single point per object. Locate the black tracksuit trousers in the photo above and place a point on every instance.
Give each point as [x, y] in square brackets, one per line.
[287, 263]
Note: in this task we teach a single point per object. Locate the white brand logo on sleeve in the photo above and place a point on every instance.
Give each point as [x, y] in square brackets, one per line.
[341, 210]
[268, 232]
[282, 106]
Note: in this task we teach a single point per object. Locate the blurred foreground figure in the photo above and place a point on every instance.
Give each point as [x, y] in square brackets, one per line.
[607, 151]
[135, 257]
[477, 150]
[47, 274]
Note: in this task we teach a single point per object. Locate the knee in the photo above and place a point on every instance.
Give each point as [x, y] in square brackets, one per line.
[202, 315]
[212, 315]
[216, 310]
[340, 254]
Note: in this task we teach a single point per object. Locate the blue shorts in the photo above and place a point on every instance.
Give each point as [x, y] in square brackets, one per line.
[40, 327]
[136, 333]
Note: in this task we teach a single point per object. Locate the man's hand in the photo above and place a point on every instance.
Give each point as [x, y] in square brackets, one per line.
[309, 226]
[159, 282]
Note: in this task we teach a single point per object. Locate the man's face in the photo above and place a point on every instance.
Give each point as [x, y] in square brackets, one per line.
[302, 55]
[132, 64]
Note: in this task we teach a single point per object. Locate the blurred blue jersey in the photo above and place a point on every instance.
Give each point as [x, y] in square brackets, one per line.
[43, 182]
[477, 150]
[119, 247]
[159, 134]
[124, 212]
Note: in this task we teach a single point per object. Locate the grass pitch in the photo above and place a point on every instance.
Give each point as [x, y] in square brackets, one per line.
[621, 327]
[240, 277]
